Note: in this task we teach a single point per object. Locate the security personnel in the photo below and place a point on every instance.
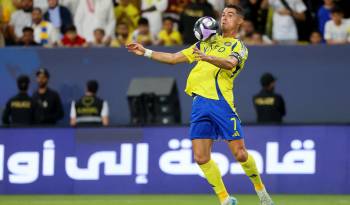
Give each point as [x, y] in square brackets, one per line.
[269, 106]
[19, 109]
[48, 103]
[89, 110]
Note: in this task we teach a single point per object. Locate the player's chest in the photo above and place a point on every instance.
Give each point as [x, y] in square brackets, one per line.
[218, 49]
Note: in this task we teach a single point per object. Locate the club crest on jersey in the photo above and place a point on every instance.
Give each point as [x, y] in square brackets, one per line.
[227, 43]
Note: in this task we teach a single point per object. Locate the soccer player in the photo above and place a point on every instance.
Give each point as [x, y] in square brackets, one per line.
[213, 111]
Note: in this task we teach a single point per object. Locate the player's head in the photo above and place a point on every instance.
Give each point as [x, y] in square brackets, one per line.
[268, 81]
[232, 18]
[42, 77]
[92, 86]
[23, 83]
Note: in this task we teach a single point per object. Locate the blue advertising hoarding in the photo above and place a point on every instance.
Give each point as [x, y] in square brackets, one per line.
[292, 159]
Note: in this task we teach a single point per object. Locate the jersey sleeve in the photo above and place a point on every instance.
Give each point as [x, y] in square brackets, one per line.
[188, 52]
[240, 52]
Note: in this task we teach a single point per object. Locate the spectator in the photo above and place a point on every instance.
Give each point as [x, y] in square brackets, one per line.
[72, 39]
[142, 34]
[19, 109]
[99, 41]
[169, 36]
[324, 14]
[28, 38]
[315, 38]
[21, 18]
[257, 13]
[285, 14]
[193, 11]
[127, 13]
[89, 109]
[44, 32]
[92, 14]
[269, 106]
[122, 35]
[48, 106]
[252, 37]
[59, 16]
[152, 10]
[256, 39]
[72, 5]
[337, 29]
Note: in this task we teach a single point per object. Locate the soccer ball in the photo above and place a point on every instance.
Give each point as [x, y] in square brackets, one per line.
[205, 27]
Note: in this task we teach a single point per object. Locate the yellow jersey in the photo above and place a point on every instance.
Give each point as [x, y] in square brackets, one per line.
[204, 76]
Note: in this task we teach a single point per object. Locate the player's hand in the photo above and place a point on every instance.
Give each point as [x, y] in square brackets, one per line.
[199, 55]
[136, 48]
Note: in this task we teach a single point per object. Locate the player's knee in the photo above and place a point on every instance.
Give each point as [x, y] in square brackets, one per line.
[201, 159]
[241, 155]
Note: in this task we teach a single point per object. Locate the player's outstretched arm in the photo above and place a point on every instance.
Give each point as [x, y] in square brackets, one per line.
[225, 63]
[169, 58]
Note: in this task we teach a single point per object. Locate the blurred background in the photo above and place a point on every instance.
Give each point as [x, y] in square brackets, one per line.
[81, 115]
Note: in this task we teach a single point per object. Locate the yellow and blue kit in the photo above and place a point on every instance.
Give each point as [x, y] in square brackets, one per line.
[213, 110]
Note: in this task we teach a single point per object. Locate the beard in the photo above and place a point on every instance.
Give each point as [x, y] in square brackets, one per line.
[42, 85]
[28, 10]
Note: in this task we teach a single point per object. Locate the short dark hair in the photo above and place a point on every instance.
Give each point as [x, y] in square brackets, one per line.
[266, 79]
[168, 18]
[143, 21]
[43, 71]
[23, 82]
[70, 28]
[37, 9]
[27, 29]
[100, 30]
[238, 8]
[92, 86]
[337, 9]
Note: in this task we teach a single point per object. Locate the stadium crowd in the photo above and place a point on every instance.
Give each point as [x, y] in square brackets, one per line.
[103, 23]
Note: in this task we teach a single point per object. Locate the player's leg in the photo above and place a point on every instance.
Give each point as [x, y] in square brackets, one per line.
[202, 133]
[248, 164]
[231, 130]
[202, 151]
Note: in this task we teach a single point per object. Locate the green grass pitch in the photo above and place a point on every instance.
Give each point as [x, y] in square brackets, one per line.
[166, 200]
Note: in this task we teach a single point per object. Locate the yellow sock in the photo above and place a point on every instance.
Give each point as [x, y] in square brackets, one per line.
[212, 174]
[252, 172]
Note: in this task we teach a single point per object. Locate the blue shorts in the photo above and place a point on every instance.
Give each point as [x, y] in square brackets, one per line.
[214, 119]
